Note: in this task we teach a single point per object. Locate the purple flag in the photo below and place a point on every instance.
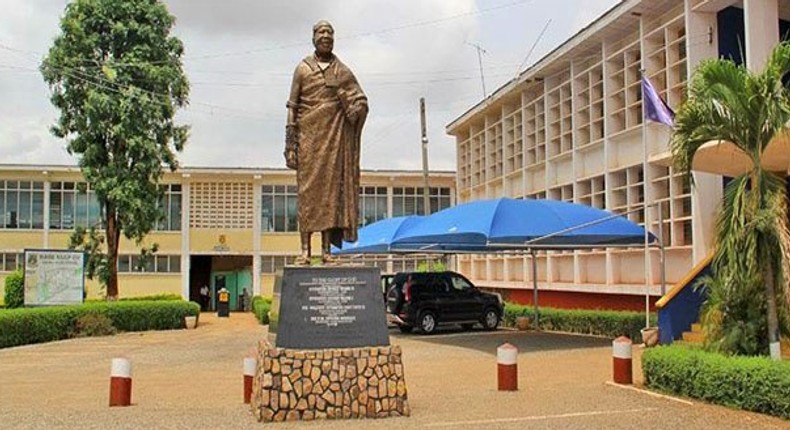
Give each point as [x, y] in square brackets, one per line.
[656, 109]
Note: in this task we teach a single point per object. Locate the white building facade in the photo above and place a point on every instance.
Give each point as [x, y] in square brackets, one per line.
[571, 128]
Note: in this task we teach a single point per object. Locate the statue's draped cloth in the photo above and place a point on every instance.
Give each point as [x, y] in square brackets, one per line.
[329, 147]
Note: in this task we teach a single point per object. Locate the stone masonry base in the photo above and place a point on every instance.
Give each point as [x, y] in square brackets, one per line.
[294, 384]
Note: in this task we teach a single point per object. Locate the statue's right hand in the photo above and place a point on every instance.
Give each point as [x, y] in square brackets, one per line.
[290, 159]
[291, 147]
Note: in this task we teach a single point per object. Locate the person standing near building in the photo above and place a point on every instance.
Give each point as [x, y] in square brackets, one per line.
[246, 300]
[326, 112]
[204, 297]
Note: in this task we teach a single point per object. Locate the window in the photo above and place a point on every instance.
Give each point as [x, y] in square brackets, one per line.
[21, 204]
[278, 208]
[404, 265]
[460, 284]
[409, 200]
[9, 262]
[155, 264]
[73, 205]
[372, 205]
[170, 204]
[273, 263]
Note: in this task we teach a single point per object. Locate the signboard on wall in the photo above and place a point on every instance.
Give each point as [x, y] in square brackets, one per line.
[54, 277]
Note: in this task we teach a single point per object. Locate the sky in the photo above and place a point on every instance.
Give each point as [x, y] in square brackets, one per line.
[240, 56]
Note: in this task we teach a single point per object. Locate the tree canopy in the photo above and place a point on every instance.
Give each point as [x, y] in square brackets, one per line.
[749, 297]
[116, 76]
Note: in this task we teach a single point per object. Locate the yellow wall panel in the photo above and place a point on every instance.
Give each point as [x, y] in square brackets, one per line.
[94, 289]
[134, 285]
[2, 287]
[59, 239]
[169, 243]
[267, 285]
[210, 241]
[284, 243]
[12, 239]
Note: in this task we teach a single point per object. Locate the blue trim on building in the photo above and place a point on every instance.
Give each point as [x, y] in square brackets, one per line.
[682, 311]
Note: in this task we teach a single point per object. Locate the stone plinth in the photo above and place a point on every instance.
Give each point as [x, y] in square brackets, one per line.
[364, 382]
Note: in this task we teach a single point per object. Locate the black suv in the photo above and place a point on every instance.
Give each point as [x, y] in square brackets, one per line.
[427, 299]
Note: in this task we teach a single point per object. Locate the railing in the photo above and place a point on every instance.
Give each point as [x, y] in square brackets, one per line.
[680, 307]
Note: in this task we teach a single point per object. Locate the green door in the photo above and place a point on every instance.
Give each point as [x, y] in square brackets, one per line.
[229, 281]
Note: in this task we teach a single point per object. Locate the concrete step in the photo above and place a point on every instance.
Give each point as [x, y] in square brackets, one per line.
[693, 337]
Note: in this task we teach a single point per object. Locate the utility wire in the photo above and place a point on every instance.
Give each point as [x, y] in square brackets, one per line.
[119, 88]
[529, 53]
[353, 36]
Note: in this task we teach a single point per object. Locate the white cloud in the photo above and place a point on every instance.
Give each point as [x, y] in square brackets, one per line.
[240, 56]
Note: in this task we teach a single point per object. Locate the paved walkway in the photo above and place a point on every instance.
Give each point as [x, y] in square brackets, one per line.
[192, 379]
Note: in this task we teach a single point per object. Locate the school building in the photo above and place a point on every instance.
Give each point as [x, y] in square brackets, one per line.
[231, 227]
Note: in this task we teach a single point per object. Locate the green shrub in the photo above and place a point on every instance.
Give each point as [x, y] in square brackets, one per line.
[593, 322]
[150, 298]
[14, 296]
[36, 325]
[154, 297]
[431, 266]
[261, 307]
[756, 384]
[92, 324]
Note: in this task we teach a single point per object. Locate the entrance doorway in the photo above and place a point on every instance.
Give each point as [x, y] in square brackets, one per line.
[199, 275]
[234, 273]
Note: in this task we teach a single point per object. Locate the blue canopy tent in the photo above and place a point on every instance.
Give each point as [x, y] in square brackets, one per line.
[376, 238]
[504, 224]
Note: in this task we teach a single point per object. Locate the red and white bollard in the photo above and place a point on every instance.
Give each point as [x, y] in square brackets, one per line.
[507, 367]
[249, 373]
[121, 382]
[621, 355]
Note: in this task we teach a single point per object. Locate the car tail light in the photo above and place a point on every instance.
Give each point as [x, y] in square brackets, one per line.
[407, 292]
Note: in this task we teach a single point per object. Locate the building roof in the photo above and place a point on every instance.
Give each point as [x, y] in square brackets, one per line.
[217, 170]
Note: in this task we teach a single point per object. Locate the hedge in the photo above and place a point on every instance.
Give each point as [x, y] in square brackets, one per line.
[756, 384]
[35, 325]
[14, 295]
[153, 297]
[261, 307]
[593, 322]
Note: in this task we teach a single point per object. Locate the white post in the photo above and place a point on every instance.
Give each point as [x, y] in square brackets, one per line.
[185, 258]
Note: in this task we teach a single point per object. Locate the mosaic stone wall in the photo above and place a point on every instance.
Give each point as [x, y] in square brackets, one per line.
[294, 385]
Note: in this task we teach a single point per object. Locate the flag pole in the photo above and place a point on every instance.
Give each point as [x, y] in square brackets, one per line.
[645, 188]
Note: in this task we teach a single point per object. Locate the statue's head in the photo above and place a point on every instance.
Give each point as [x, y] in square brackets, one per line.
[323, 37]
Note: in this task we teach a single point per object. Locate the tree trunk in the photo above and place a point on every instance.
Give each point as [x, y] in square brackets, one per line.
[773, 320]
[774, 347]
[113, 236]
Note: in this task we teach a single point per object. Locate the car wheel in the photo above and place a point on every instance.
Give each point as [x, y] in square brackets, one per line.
[405, 328]
[467, 327]
[427, 322]
[490, 319]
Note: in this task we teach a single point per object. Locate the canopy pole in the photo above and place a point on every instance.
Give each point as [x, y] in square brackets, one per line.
[647, 271]
[535, 288]
[662, 250]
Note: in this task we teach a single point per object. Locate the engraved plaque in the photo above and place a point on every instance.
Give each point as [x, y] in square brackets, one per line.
[328, 307]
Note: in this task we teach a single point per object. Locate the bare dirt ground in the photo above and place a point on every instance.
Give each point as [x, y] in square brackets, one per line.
[192, 379]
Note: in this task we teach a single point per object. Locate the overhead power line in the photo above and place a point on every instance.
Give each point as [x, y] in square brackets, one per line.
[532, 48]
[350, 37]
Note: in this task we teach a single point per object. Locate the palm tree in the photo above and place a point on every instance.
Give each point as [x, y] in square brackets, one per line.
[726, 102]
